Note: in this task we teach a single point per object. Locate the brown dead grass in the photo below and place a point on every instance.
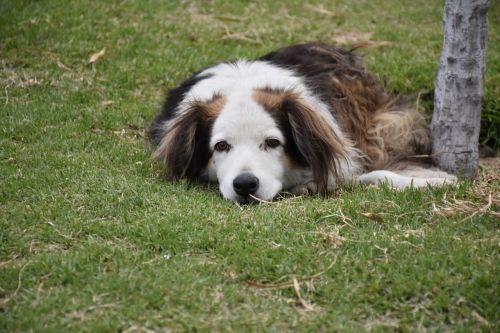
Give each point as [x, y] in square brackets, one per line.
[486, 191]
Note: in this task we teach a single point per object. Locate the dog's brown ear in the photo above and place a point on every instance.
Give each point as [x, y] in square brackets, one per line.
[184, 146]
[315, 139]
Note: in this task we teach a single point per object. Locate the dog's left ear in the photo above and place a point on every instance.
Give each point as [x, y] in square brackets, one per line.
[315, 139]
[184, 145]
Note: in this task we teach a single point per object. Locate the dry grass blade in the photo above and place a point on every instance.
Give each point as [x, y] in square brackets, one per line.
[330, 236]
[289, 284]
[346, 220]
[465, 207]
[283, 285]
[262, 200]
[345, 38]
[486, 188]
[62, 66]
[359, 39]
[372, 43]
[6, 97]
[227, 18]
[81, 314]
[480, 319]
[96, 56]
[19, 284]
[321, 10]
[14, 257]
[302, 301]
[483, 210]
[372, 216]
[137, 329]
[240, 36]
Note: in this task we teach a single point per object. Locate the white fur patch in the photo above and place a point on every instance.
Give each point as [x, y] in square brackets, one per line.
[399, 181]
[245, 126]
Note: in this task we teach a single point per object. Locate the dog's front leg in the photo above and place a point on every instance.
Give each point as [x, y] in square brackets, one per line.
[399, 181]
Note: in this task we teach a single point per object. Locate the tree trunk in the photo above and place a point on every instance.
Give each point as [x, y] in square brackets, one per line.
[459, 87]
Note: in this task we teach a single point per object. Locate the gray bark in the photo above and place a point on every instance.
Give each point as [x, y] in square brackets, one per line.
[459, 87]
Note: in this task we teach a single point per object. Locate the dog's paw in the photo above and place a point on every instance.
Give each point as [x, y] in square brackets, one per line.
[304, 189]
[422, 182]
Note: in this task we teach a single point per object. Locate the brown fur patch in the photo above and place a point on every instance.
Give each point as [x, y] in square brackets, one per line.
[384, 129]
[214, 106]
[183, 148]
[272, 98]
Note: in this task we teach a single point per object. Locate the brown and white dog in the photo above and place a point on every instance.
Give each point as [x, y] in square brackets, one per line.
[304, 118]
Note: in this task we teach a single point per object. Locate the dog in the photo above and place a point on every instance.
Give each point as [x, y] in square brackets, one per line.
[303, 119]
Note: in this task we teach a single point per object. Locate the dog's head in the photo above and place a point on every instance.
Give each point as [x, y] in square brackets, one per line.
[254, 144]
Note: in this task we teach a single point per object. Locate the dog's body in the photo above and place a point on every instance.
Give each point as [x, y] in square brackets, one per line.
[302, 119]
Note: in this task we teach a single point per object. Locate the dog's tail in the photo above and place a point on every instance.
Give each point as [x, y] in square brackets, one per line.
[398, 132]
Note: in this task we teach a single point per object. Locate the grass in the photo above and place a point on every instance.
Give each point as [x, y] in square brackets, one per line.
[92, 239]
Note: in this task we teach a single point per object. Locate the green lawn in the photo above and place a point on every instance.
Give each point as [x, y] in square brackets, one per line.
[93, 240]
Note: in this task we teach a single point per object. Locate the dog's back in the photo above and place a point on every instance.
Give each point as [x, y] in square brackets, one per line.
[384, 128]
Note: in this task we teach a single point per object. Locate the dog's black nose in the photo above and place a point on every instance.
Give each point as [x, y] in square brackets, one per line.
[246, 184]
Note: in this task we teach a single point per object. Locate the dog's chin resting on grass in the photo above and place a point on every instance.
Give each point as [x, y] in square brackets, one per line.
[302, 119]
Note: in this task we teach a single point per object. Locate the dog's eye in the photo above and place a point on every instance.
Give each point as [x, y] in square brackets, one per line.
[272, 143]
[222, 146]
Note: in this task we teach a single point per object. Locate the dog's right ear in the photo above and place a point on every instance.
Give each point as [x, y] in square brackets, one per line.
[315, 139]
[310, 139]
[183, 146]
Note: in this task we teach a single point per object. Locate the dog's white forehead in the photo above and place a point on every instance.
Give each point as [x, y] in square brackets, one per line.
[228, 78]
[243, 120]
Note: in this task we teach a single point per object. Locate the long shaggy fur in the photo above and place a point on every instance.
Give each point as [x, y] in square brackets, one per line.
[316, 144]
[305, 116]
